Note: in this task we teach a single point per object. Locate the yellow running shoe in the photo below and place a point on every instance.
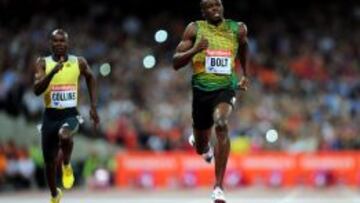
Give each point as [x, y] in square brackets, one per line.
[67, 176]
[57, 198]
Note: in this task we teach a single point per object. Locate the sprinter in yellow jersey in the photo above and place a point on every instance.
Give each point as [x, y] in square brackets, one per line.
[57, 78]
[212, 45]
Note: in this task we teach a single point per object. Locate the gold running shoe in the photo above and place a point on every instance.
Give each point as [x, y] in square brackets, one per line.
[58, 197]
[67, 176]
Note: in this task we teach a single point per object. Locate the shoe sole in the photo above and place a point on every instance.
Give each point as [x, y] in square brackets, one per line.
[191, 140]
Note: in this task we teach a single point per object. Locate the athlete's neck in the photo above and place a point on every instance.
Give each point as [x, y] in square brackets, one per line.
[216, 23]
[58, 57]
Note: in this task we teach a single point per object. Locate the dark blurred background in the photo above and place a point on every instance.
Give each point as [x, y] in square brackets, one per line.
[304, 65]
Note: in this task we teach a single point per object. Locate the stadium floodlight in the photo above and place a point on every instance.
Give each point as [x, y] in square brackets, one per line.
[105, 69]
[271, 136]
[149, 61]
[161, 36]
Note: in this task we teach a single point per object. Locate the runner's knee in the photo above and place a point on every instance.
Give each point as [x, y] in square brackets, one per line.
[64, 134]
[221, 122]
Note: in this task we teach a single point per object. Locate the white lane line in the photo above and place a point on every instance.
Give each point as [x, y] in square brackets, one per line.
[291, 196]
[187, 200]
[352, 194]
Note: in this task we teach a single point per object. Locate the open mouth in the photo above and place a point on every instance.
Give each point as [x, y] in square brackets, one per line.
[216, 14]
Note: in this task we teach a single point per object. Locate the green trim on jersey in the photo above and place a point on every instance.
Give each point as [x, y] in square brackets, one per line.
[222, 37]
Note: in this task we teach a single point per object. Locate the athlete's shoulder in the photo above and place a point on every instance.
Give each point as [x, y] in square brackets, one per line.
[242, 25]
[233, 25]
[79, 58]
[48, 57]
[190, 30]
[72, 56]
[239, 23]
[197, 25]
[192, 25]
[238, 26]
[44, 59]
[243, 30]
[229, 20]
[40, 59]
[82, 61]
[76, 58]
[200, 21]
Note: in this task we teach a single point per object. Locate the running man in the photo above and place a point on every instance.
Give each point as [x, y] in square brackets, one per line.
[212, 46]
[57, 78]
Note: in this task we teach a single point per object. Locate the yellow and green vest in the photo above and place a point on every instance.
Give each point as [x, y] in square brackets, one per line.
[214, 68]
[62, 91]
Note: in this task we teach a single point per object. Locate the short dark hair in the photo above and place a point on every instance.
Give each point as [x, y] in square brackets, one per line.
[202, 3]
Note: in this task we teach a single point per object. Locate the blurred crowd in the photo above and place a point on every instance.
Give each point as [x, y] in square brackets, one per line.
[304, 78]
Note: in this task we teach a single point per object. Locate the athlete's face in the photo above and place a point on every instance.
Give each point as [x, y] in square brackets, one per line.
[212, 10]
[59, 43]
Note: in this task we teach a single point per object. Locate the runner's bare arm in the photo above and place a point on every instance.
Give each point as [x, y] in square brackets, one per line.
[243, 47]
[186, 49]
[243, 56]
[91, 84]
[42, 80]
[90, 80]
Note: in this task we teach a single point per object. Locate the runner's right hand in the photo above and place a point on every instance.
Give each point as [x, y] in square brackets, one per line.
[201, 45]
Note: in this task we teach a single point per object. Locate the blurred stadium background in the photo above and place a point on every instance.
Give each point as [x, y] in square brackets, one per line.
[298, 126]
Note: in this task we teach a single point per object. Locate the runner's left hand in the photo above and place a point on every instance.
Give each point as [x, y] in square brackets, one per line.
[244, 83]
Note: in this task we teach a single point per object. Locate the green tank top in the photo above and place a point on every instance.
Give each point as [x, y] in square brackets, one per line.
[214, 68]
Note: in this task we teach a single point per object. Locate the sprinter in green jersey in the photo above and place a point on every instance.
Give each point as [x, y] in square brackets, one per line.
[212, 46]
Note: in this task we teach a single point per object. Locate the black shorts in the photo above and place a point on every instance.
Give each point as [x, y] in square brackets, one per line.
[53, 120]
[204, 103]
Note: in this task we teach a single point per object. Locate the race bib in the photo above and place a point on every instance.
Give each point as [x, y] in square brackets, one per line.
[218, 61]
[63, 96]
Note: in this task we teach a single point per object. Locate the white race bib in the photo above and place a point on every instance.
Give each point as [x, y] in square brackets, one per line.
[63, 96]
[218, 61]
